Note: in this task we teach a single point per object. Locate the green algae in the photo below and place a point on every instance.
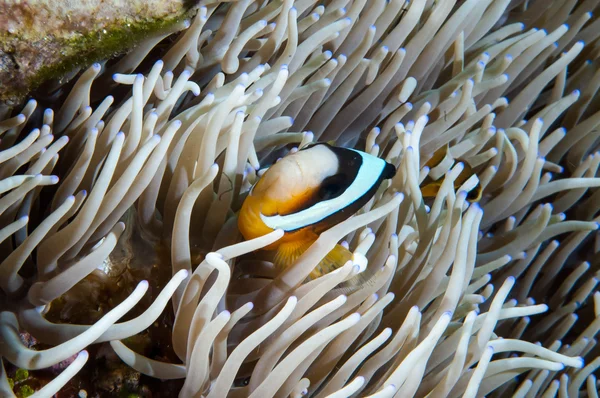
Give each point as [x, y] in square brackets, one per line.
[83, 49]
[25, 391]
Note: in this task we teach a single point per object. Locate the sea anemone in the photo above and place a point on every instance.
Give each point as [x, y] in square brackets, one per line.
[123, 265]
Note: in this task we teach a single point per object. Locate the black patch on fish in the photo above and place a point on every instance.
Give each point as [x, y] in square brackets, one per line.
[332, 187]
[349, 164]
[350, 209]
[389, 171]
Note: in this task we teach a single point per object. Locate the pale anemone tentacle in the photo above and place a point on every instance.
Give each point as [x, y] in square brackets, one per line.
[492, 274]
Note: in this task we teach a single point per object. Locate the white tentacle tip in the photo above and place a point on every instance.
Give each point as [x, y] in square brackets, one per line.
[360, 260]
[182, 273]
[84, 355]
[354, 317]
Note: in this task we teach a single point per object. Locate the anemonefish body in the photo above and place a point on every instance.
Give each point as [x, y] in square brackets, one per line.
[319, 186]
[430, 188]
[306, 193]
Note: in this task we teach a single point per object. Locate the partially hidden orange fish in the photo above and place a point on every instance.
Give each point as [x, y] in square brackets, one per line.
[430, 188]
[306, 193]
[309, 191]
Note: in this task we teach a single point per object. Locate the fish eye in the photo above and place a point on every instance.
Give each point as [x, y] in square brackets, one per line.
[330, 191]
[332, 187]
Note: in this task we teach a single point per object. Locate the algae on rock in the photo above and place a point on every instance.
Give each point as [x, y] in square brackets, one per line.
[46, 39]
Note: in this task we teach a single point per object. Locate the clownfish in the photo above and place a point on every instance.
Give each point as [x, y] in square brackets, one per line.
[321, 185]
[430, 187]
[306, 193]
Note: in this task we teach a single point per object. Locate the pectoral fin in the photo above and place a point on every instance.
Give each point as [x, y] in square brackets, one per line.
[288, 253]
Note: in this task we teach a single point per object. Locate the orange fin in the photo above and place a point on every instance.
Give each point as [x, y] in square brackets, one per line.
[287, 253]
[335, 259]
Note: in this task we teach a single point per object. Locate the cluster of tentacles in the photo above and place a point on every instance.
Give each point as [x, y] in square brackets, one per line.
[119, 197]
